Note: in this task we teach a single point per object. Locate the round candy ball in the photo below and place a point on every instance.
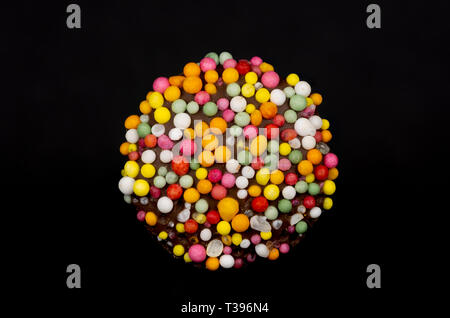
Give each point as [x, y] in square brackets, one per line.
[301, 227]
[284, 248]
[218, 192]
[224, 56]
[207, 63]
[303, 88]
[202, 97]
[241, 182]
[223, 103]
[175, 134]
[126, 185]
[148, 156]
[277, 96]
[242, 119]
[158, 130]
[270, 79]
[226, 261]
[316, 121]
[201, 206]
[165, 205]
[242, 194]
[188, 147]
[160, 84]
[192, 107]
[330, 160]
[214, 56]
[290, 116]
[256, 60]
[262, 250]
[289, 192]
[186, 181]
[284, 206]
[182, 121]
[210, 109]
[238, 104]
[197, 253]
[271, 213]
[308, 142]
[228, 115]
[248, 172]
[205, 235]
[297, 102]
[179, 106]
[233, 89]
[230, 63]
[228, 180]
[315, 212]
[132, 136]
[232, 166]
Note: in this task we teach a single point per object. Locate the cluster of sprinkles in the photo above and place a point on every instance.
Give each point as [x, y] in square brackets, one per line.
[206, 206]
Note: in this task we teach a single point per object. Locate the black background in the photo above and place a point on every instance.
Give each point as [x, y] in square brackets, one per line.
[80, 84]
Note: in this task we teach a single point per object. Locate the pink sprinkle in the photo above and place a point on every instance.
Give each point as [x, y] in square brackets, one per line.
[229, 63]
[141, 142]
[330, 160]
[220, 81]
[238, 262]
[250, 131]
[202, 98]
[256, 60]
[164, 142]
[218, 192]
[214, 175]
[160, 84]
[308, 112]
[207, 64]
[227, 250]
[188, 147]
[284, 164]
[141, 215]
[255, 239]
[228, 180]
[291, 229]
[270, 79]
[197, 253]
[251, 258]
[223, 103]
[284, 248]
[155, 192]
[318, 136]
[256, 69]
[228, 115]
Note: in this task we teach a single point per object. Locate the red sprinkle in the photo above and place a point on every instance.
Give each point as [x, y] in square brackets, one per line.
[272, 131]
[213, 217]
[321, 172]
[174, 191]
[243, 67]
[279, 120]
[288, 134]
[257, 163]
[191, 226]
[309, 202]
[180, 165]
[260, 204]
